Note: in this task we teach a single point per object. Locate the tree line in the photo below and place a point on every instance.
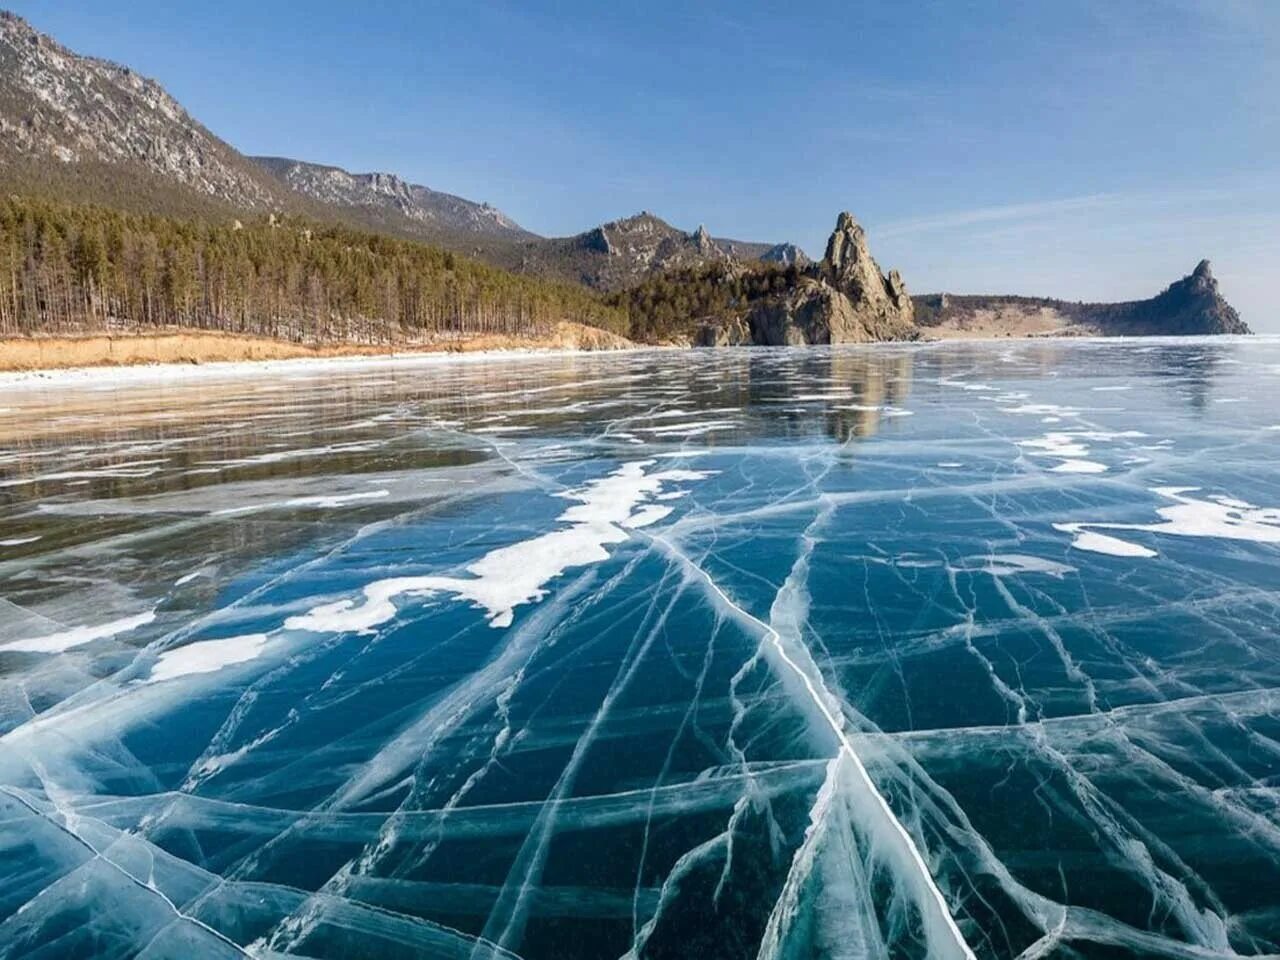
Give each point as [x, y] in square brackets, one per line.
[671, 306]
[69, 268]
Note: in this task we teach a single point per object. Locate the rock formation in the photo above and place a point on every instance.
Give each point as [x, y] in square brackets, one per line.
[785, 254]
[843, 299]
[1192, 305]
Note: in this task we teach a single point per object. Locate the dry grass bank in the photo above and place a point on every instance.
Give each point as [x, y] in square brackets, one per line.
[202, 346]
[1008, 320]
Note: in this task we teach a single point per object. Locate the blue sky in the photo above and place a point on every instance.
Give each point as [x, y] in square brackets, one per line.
[1088, 149]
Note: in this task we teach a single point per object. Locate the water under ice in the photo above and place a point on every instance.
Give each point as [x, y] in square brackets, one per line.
[904, 651]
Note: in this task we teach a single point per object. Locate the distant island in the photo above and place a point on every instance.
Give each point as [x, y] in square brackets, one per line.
[123, 217]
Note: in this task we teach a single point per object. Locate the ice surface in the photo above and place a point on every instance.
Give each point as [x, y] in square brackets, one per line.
[941, 650]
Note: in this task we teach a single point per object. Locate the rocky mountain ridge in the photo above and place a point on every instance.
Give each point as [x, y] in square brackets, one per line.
[622, 252]
[387, 193]
[82, 129]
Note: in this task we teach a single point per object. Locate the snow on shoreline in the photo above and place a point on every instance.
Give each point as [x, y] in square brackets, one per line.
[178, 373]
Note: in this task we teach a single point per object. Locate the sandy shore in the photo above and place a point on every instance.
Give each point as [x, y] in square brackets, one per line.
[180, 353]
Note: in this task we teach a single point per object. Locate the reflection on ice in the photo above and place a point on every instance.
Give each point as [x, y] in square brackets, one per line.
[897, 652]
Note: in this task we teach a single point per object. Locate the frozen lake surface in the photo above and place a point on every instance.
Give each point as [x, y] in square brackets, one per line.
[965, 650]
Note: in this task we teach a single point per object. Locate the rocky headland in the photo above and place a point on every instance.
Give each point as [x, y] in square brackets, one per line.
[1188, 307]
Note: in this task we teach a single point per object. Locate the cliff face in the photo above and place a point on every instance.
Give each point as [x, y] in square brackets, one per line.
[842, 299]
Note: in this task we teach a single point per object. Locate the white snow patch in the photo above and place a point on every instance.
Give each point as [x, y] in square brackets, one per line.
[1012, 564]
[79, 636]
[518, 574]
[1043, 410]
[326, 501]
[1218, 517]
[206, 656]
[336, 500]
[1079, 466]
[1095, 542]
[691, 429]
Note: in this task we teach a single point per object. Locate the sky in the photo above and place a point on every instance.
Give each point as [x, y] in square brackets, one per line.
[1083, 149]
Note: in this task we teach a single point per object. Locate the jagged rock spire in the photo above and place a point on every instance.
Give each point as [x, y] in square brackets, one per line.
[849, 267]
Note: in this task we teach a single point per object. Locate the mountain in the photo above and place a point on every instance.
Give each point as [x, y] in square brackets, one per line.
[80, 128]
[620, 253]
[1192, 305]
[386, 196]
[745, 251]
[97, 130]
[84, 130]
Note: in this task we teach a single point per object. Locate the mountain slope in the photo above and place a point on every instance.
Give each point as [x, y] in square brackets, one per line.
[388, 196]
[63, 114]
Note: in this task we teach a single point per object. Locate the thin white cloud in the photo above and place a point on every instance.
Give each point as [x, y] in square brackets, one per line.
[998, 214]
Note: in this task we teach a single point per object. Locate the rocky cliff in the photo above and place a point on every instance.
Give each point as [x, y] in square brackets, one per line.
[622, 253]
[844, 298]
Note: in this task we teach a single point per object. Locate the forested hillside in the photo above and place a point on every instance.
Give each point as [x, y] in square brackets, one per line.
[672, 306]
[69, 269]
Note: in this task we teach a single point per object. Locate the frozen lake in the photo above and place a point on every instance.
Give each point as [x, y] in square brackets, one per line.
[903, 651]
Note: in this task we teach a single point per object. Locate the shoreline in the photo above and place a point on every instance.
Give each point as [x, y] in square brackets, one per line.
[182, 354]
[144, 372]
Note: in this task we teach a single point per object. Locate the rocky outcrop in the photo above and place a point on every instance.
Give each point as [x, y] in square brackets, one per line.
[843, 299]
[881, 306]
[732, 332]
[1192, 305]
[786, 254]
